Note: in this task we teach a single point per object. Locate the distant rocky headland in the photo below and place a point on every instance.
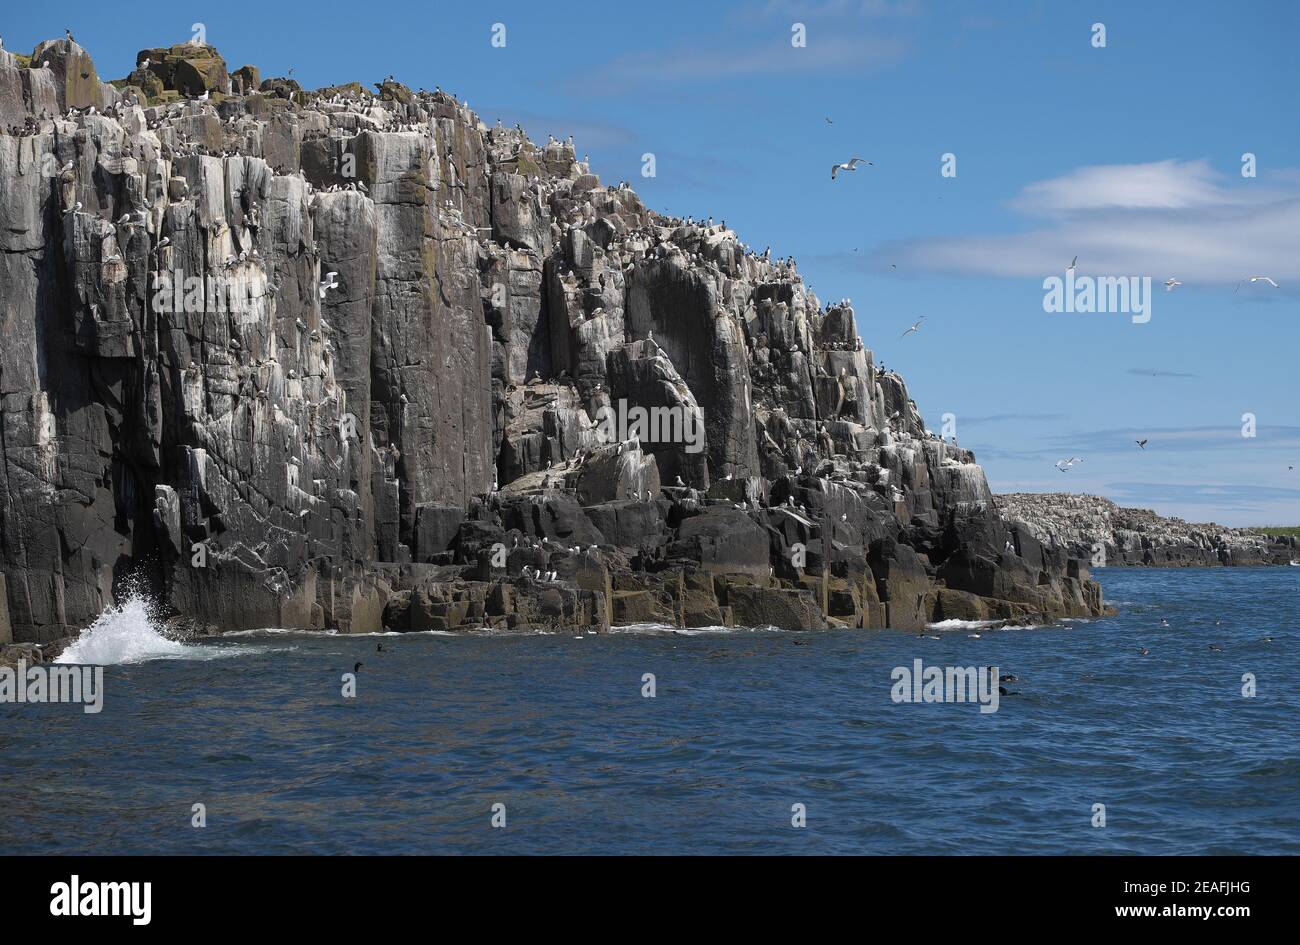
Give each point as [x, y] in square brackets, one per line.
[1110, 535]
[354, 359]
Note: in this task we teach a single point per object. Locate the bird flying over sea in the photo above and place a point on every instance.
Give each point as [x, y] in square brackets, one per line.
[850, 165]
[1142, 443]
[1074, 262]
[916, 326]
[1256, 279]
[1065, 464]
[1171, 284]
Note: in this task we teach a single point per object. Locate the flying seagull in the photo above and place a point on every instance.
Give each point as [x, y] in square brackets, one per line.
[829, 122]
[1065, 464]
[1257, 279]
[1142, 443]
[1073, 263]
[850, 165]
[915, 327]
[1171, 284]
[331, 282]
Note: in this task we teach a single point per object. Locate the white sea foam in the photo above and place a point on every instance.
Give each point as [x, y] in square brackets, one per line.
[663, 628]
[268, 630]
[955, 624]
[132, 634]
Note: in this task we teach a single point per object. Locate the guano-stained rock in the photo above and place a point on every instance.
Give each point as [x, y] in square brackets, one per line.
[349, 359]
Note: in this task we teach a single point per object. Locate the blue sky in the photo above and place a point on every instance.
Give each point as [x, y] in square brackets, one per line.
[1127, 156]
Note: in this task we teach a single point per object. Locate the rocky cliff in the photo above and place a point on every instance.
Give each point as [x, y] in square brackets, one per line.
[351, 359]
[1109, 535]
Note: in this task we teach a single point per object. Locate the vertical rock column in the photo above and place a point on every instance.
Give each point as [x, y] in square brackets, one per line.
[431, 353]
[346, 228]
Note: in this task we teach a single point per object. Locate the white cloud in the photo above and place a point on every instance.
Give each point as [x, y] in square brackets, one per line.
[1170, 185]
[1162, 219]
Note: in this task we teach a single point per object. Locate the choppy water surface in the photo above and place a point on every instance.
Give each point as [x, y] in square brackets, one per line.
[744, 725]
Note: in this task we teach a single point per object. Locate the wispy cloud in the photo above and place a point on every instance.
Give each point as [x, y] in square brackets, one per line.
[1013, 418]
[713, 63]
[1181, 439]
[1168, 218]
[1271, 444]
[1162, 185]
[840, 9]
[1156, 372]
[1214, 497]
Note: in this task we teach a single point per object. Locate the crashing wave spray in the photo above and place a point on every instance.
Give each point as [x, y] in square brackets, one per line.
[129, 633]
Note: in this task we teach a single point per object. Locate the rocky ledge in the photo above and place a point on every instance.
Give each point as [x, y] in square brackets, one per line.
[351, 359]
[1107, 534]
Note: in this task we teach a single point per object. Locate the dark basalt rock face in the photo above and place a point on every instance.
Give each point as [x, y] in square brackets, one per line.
[422, 444]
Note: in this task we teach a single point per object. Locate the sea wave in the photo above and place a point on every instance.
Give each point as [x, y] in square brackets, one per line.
[955, 624]
[654, 628]
[132, 633]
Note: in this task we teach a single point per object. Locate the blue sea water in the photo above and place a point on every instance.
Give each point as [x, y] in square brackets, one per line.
[744, 724]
